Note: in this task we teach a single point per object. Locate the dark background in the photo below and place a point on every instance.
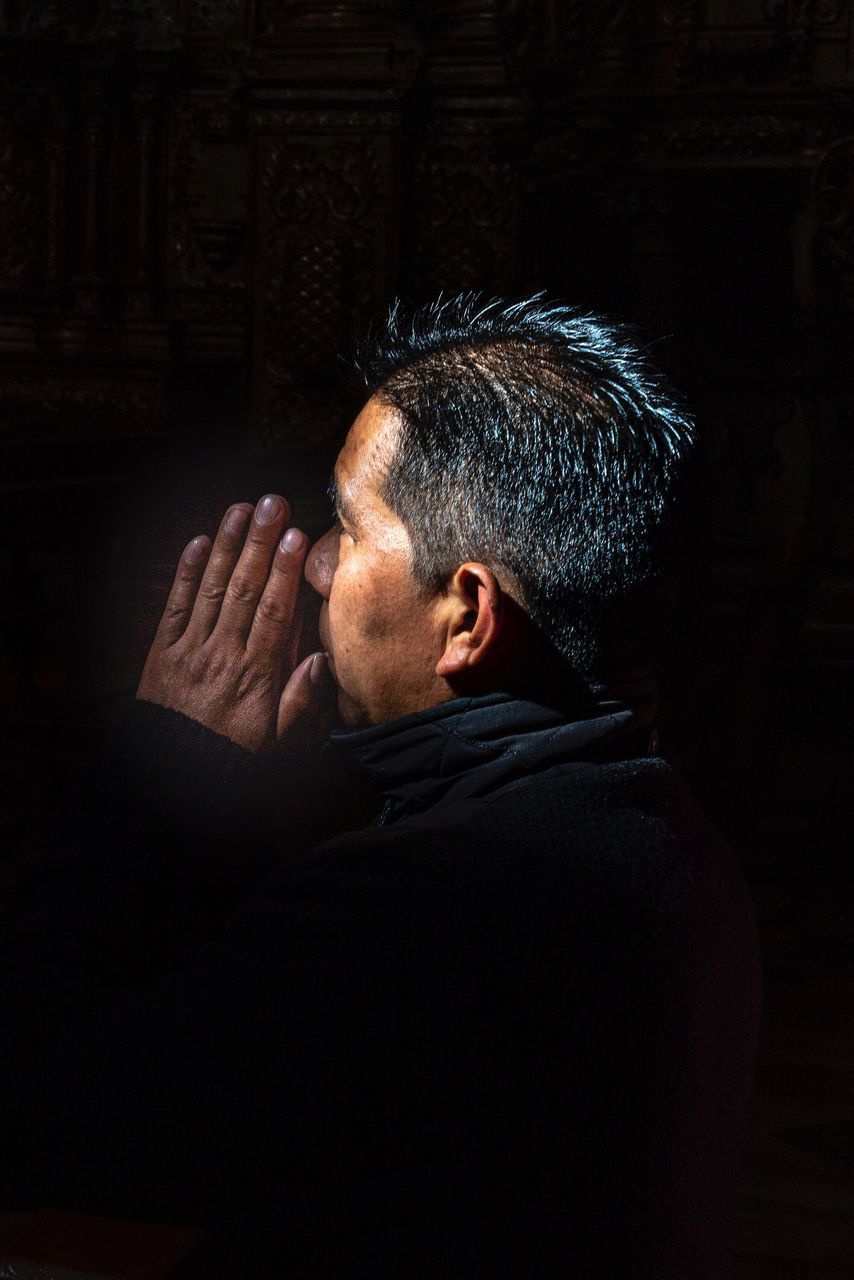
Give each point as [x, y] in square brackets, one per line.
[202, 202]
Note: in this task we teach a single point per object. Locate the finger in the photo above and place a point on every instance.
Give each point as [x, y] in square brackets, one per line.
[249, 576]
[274, 632]
[182, 595]
[307, 701]
[224, 556]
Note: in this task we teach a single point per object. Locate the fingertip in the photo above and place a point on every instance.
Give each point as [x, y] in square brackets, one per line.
[196, 551]
[293, 541]
[238, 518]
[323, 684]
[312, 676]
[271, 507]
[300, 679]
[304, 700]
[319, 668]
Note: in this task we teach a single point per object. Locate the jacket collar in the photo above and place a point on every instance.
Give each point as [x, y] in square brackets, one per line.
[473, 746]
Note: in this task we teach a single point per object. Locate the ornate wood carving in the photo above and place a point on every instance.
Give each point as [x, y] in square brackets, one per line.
[208, 175]
[158, 156]
[278, 15]
[831, 213]
[54, 171]
[726, 137]
[462, 176]
[141, 265]
[22, 228]
[56, 407]
[320, 264]
[465, 219]
[90, 194]
[215, 17]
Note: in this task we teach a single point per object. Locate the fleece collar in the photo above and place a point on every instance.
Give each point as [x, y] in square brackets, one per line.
[471, 747]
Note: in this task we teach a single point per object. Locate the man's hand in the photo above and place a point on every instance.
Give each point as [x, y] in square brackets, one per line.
[226, 644]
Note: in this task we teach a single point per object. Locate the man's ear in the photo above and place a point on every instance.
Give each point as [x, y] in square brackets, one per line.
[474, 614]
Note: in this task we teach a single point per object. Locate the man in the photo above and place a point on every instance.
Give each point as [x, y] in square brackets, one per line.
[505, 1029]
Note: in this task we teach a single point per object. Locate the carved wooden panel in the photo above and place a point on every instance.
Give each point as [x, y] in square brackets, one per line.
[206, 236]
[325, 187]
[216, 17]
[830, 210]
[27, 235]
[464, 211]
[274, 16]
[49, 409]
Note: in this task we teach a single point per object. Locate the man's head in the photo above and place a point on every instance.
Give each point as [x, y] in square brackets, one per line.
[514, 463]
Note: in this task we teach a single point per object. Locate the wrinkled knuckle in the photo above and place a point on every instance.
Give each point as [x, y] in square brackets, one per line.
[271, 610]
[219, 663]
[196, 665]
[212, 592]
[175, 611]
[242, 590]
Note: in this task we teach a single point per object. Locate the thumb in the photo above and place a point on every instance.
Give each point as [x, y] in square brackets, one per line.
[306, 703]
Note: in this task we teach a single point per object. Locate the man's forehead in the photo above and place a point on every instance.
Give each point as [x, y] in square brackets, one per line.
[360, 470]
[368, 449]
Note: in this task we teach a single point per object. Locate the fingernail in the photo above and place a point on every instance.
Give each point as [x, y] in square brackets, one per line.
[196, 550]
[267, 510]
[236, 519]
[318, 668]
[293, 540]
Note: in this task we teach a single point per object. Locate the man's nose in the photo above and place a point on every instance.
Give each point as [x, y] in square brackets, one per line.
[322, 561]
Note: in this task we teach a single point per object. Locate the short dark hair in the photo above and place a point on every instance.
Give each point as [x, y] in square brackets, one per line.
[536, 439]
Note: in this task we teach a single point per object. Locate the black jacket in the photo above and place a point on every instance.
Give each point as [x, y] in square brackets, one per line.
[505, 1030]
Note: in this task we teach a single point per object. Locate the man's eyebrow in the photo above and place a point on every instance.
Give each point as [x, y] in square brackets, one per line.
[339, 502]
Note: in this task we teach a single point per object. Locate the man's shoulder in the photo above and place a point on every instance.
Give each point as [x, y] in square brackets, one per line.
[642, 800]
[608, 821]
[621, 824]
